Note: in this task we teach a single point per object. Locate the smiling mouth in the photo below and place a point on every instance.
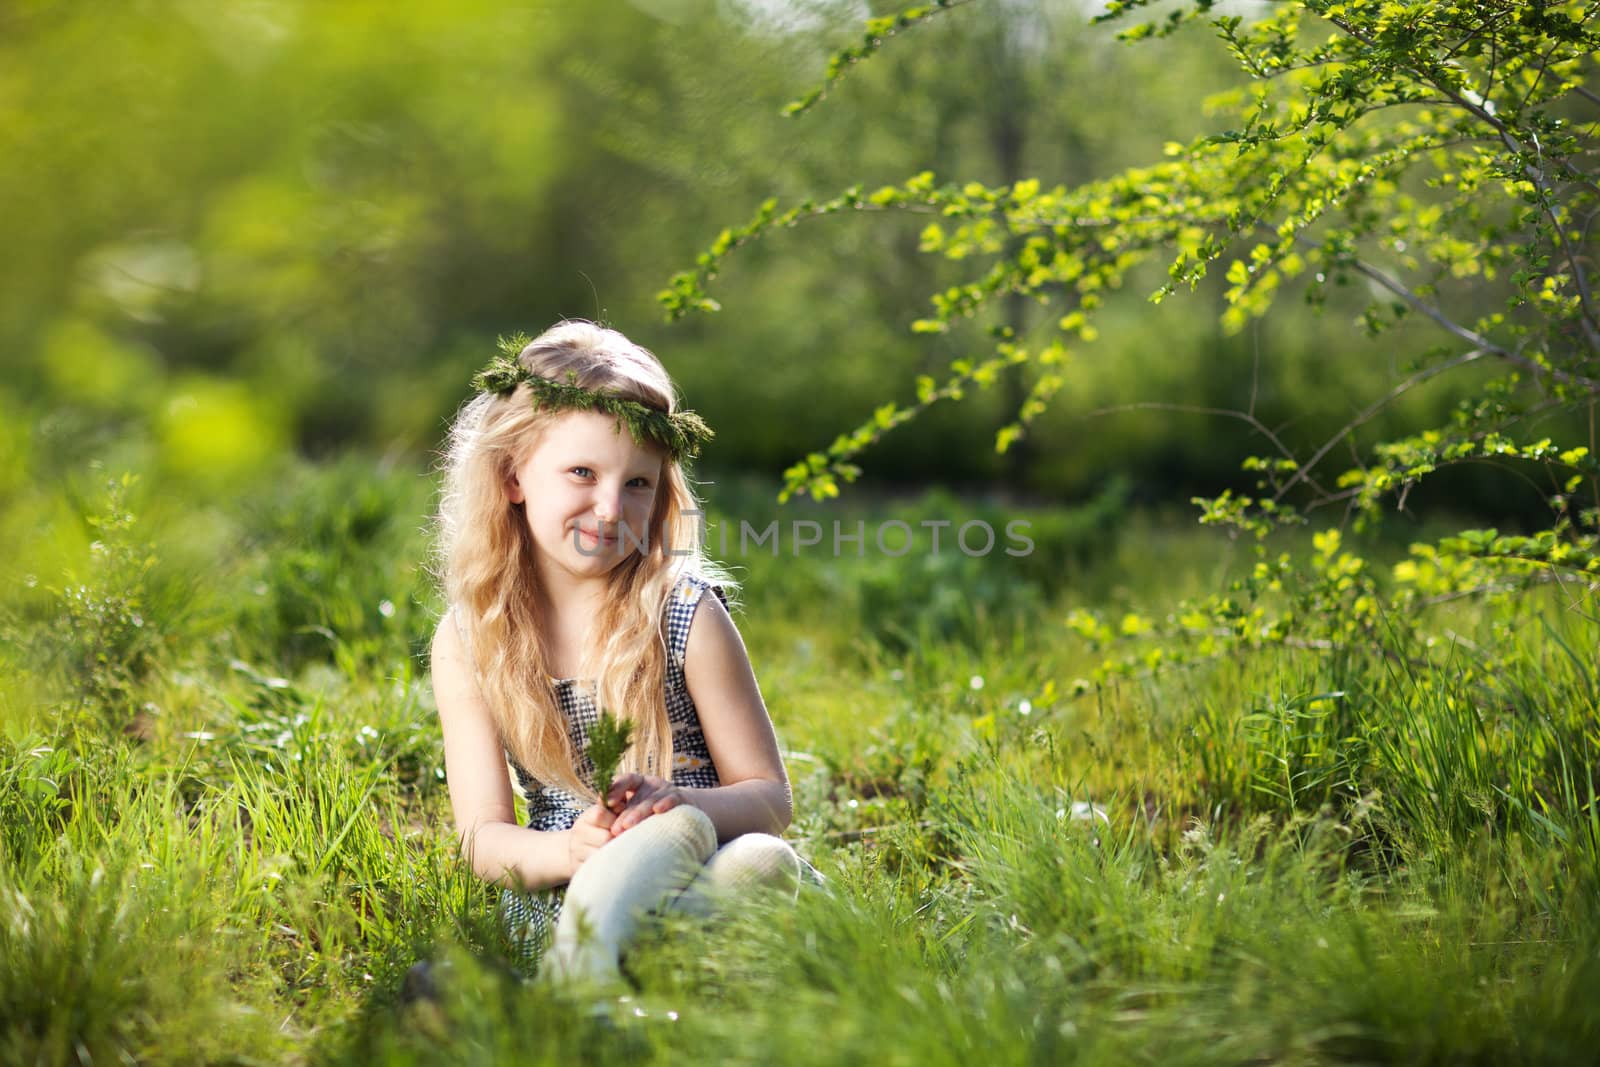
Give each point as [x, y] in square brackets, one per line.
[594, 538]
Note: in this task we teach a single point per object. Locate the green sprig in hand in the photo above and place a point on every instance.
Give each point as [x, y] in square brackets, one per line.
[608, 740]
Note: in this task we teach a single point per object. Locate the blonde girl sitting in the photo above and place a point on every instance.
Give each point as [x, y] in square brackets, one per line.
[576, 582]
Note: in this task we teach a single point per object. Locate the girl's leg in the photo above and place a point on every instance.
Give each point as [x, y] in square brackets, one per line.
[637, 872]
[747, 864]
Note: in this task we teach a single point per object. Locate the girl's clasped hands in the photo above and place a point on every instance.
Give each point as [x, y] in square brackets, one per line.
[633, 798]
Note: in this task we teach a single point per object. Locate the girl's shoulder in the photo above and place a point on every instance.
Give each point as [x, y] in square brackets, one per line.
[453, 624]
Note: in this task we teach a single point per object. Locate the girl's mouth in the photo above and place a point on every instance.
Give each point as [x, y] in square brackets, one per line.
[594, 539]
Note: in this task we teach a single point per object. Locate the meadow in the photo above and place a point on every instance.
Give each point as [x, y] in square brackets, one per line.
[1051, 832]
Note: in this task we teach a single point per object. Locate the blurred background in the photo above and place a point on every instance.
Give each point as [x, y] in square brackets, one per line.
[238, 231]
[256, 249]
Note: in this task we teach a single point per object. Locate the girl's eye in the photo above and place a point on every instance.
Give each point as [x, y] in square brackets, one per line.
[585, 472]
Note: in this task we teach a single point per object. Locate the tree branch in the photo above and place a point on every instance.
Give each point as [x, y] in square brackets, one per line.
[1302, 473]
[1473, 338]
[1591, 320]
[1245, 417]
[1350, 495]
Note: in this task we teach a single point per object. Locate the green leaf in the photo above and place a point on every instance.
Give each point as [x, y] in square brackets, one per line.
[609, 738]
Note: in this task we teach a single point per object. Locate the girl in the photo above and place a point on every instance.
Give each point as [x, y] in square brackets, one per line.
[576, 583]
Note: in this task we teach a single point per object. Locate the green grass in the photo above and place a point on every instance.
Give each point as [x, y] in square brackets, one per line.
[230, 846]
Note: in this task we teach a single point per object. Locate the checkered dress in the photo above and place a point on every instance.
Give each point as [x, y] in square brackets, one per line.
[531, 917]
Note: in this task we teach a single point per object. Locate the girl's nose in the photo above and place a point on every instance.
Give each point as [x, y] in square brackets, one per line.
[607, 506]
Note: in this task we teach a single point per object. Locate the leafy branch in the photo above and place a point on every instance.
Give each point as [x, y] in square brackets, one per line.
[1424, 150]
[609, 738]
[873, 38]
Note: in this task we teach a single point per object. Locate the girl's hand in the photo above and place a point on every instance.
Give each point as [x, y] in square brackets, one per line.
[636, 797]
[588, 834]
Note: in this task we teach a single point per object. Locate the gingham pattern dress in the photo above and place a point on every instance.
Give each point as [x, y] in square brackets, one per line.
[530, 917]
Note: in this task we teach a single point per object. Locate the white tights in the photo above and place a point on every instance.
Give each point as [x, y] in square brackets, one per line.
[669, 862]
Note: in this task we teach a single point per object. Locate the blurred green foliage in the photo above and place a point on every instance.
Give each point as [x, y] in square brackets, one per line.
[240, 228]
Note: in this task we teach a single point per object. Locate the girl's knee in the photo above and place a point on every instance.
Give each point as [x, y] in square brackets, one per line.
[687, 823]
[752, 864]
[760, 858]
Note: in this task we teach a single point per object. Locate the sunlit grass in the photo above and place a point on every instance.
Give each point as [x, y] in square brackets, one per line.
[1386, 854]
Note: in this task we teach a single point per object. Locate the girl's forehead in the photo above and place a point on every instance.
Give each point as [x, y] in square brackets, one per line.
[593, 435]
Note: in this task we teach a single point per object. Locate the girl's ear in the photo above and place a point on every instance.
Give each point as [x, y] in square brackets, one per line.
[514, 491]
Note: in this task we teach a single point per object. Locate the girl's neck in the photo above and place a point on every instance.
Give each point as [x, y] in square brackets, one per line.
[569, 614]
[563, 595]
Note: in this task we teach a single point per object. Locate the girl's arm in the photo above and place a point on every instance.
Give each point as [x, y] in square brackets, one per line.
[754, 796]
[480, 788]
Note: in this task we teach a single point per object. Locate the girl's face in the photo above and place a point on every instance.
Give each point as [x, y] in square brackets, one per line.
[587, 491]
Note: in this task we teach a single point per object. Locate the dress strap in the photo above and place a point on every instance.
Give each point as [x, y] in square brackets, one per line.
[681, 605]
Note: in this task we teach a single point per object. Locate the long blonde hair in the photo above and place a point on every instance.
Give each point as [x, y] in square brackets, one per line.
[486, 557]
